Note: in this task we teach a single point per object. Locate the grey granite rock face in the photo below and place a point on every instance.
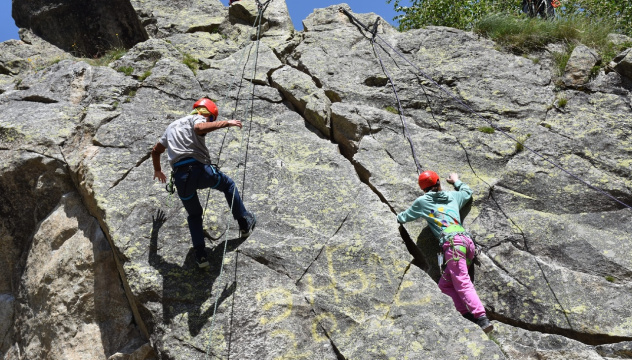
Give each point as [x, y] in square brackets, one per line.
[91, 318]
[30, 53]
[162, 18]
[519, 344]
[323, 161]
[79, 29]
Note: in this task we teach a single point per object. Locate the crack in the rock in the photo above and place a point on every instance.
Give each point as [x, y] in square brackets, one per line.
[163, 91]
[38, 153]
[142, 160]
[527, 250]
[263, 261]
[399, 286]
[39, 99]
[337, 351]
[497, 264]
[321, 250]
[310, 264]
[589, 339]
[98, 144]
[193, 346]
[302, 68]
[600, 165]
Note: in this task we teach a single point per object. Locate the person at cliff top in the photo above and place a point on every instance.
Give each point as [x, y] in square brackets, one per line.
[192, 170]
[441, 211]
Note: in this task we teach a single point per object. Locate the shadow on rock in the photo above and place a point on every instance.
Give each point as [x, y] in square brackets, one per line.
[186, 289]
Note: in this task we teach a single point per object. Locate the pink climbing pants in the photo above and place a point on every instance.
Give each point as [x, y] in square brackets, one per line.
[455, 281]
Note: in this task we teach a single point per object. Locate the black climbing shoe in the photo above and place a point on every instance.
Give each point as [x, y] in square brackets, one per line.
[201, 259]
[251, 221]
[470, 317]
[484, 323]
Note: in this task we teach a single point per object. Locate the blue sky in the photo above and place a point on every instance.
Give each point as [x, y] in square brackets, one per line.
[299, 9]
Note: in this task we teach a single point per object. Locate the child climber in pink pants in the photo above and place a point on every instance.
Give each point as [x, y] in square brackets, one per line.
[441, 211]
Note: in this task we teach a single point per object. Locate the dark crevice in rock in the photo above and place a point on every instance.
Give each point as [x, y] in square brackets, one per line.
[4, 71]
[414, 250]
[39, 99]
[560, 134]
[96, 143]
[287, 52]
[604, 167]
[390, 155]
[339, 355]
[267, 263]
[96, 128]
[212, 28]
[302, 68]
[499, 266]
[192, 346]
[340, 227]
[310, 265]
[40, 154]
[527, 250]
[333, 96]
[142, 160]
[590, 339]
[374, 81]
[364, 175]
[164, 92]
[399, 287]
[321, 250]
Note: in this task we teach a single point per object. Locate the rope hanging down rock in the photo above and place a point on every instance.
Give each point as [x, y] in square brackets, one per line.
[400, 109]
[257, 23]
[455, 98]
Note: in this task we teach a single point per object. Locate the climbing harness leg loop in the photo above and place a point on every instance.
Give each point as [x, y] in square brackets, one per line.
[459, 251]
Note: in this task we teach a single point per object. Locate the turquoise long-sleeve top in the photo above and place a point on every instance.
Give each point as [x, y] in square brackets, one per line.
[440, 208]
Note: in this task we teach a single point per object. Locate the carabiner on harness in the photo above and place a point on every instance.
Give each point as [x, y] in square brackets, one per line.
[171, 189]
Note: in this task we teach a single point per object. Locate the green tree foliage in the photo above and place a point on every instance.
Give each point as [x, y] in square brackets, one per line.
[464, 14]
[460, 14]
[616, 12]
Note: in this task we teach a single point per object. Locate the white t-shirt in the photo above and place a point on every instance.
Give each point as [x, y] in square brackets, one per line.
[182, 142]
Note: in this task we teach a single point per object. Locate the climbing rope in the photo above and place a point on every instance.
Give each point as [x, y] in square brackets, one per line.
[240, 65]
[399, 104]
[400, 109]
[261, 10]
[462, 103]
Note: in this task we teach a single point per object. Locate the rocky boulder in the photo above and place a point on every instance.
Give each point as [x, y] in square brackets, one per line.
[162, 18]
[623, 63]
[71, 308]
[580, 65]
[78, 29]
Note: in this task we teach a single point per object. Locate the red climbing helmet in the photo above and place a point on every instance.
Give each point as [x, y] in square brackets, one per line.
[209, 105]
[428, 179]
